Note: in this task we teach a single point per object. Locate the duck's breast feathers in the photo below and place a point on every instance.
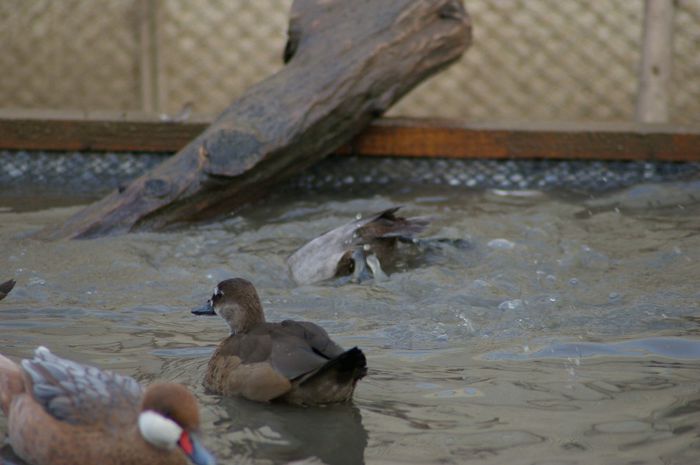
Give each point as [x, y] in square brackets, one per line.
[81, 394]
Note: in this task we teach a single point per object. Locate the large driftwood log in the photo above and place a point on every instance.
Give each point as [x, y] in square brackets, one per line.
[347, 62]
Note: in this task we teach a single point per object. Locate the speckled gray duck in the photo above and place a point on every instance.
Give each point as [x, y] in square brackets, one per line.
[356, 248]
[61, 412]
[6, 287]
[290, 361]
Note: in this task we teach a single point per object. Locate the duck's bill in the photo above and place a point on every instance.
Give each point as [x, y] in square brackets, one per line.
[192, 446]
[360, 271]
[206, 309]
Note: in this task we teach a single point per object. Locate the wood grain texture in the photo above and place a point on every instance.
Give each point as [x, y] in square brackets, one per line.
[62, 131]
[452, 139]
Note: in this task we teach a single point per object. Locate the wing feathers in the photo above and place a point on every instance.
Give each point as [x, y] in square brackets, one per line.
[79, 394]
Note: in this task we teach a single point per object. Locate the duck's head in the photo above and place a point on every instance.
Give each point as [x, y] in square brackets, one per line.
[237, 302]
[169, 418]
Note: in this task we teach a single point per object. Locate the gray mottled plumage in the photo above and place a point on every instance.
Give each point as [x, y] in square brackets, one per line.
[339, 251]
[78, 394]
[290, 361]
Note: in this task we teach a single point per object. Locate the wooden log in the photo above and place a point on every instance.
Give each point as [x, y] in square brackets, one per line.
[347, 63]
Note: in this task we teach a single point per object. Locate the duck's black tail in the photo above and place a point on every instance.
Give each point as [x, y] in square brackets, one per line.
[344, 370]
[333, 382]
[6, 287]
[347, 367]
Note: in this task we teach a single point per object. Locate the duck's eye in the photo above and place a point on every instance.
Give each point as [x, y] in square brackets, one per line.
[218, 294]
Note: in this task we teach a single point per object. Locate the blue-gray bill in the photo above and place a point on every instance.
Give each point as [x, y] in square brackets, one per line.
[206, 309]
[197, 453]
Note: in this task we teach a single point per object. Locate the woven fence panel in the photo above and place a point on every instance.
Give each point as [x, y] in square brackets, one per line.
[572, 60]
[685, 92]
[68, 54]
[544, 60]
[213, 49]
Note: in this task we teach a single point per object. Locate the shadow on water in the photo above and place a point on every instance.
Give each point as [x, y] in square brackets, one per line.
[282, 433]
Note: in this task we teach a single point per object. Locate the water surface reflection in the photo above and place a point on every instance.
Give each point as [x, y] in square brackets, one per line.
[547, 329]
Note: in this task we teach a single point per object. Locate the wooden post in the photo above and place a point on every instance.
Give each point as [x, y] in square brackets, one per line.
[656, 66]
[148, 55]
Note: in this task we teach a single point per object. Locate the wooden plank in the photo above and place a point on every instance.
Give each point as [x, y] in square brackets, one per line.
[450, 139]
[656, 67]
[138, 132]
[148, 52]
[118, 133]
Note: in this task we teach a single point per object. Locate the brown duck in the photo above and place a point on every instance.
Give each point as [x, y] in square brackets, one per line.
[6, 287]
[291, 361]
[358, 247]
[64, 413]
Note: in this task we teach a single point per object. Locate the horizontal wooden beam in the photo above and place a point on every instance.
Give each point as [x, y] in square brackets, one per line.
[452, 139]
[135, 132]
[126, 132]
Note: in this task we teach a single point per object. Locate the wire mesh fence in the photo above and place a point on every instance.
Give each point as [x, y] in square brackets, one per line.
[69, 54]
[545, 60]
[572, 60]
[686, 69]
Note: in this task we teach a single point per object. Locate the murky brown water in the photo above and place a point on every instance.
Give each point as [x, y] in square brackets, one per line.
[566, 332]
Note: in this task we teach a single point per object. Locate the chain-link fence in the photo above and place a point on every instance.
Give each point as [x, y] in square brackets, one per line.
[572, 60]
[686, 59]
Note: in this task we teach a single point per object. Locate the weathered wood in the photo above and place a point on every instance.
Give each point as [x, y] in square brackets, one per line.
[452, 139]
[96, 131]
[148, 55]
[656, 67]
[34, 130]
[348, 62]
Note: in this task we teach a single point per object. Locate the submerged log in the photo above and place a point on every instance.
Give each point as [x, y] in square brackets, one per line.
[347, 62]
[349, 248]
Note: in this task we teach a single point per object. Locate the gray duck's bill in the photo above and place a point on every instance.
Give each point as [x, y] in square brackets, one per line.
[206, 309]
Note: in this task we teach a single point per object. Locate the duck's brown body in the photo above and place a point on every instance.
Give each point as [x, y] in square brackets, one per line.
[63, 413]
[291, 361]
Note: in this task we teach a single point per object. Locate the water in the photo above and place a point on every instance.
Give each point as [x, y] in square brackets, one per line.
[548, 328]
